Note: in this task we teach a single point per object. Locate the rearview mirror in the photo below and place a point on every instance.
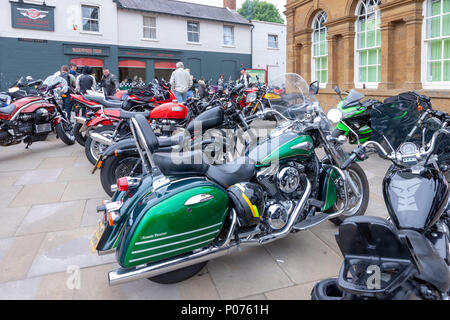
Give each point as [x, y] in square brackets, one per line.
[337, 90]
[314, 88]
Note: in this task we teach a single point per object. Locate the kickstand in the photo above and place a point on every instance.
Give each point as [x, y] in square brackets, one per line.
[28, 144]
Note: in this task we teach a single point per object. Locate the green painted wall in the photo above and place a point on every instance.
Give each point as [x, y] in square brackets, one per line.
[39, 60]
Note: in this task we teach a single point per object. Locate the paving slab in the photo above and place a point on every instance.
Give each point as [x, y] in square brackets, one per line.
[57, 162]
[36, 194]
[75, 174]
[8, 195]
[90, 215]
[243, 273]
[10, 220]
[19, 290]
[39, 176]
[53, 217]
[9, 178]
[17, 260]
[84, 189]
[297, 292]
[56, 286]
[62, 249]
[304, 257]
[199, 287]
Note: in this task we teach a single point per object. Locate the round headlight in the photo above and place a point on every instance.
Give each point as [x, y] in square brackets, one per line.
[334, 115]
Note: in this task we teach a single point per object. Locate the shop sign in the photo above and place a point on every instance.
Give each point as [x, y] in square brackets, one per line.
[32, 16]
[87, 51]
[261, 73]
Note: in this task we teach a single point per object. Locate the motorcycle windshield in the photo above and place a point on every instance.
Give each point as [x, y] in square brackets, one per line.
[289, 94]
[353, 97]
[395, 121]
[56, 82]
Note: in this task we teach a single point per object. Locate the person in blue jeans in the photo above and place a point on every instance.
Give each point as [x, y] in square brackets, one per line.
[181, 82]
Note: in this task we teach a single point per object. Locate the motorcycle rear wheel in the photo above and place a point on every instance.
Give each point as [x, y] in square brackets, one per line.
[179, 275]
[116, 167]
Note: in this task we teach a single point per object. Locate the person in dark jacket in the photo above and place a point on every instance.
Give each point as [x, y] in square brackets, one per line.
[109, 82]
[85, 81]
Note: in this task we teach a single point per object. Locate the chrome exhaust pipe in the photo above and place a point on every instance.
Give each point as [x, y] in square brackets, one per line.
[121, 275]
[101, 139]
[80, 120]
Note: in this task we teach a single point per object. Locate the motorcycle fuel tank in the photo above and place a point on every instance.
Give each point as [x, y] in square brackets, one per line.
[170, 111]
[286, 146]
[186, 215]
[415, 201]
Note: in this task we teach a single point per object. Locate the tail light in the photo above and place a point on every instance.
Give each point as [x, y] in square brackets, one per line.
[124, 183]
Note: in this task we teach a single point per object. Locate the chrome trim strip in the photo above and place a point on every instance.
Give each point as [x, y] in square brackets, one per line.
[25, 106]
[180, 234]
[166, 252]
[175, 243]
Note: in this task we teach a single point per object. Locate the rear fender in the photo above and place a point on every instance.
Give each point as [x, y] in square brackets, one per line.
[97, 121]
[120, 147]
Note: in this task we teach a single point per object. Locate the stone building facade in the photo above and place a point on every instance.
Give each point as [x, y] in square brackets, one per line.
[380, 47]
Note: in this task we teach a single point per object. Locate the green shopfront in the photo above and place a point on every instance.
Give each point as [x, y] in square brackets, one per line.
[39, 58]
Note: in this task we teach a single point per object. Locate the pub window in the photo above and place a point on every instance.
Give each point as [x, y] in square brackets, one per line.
[91, 18]
[273, 41]
[368, 42]
[320, 48]
[437, 41]
[193, 31]
[228, 35]
[149, 27]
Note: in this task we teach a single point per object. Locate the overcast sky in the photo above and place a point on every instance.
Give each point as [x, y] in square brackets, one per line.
[219, 3]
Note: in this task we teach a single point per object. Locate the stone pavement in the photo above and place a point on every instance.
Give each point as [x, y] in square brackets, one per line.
[47, 216]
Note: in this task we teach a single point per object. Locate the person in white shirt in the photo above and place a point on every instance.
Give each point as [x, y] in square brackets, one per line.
[245, 78]
[181, 82]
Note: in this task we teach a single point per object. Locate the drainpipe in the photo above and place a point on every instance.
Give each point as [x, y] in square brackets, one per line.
[251, 41]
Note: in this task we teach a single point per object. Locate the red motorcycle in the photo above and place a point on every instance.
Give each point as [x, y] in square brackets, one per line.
[106, 126]
[33, 118]
[136, 99]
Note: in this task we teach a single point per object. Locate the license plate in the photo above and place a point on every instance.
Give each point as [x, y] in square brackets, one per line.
[97, 236]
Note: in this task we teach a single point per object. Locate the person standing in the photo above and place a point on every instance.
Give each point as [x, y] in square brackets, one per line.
[201, 88]
[245, 78]
[221, 85]
[70, 79]
[85, 81]
[109, 82]
[181, 82]
[73, 69]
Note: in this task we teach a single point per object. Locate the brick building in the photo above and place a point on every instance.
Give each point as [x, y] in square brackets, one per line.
[382, 47]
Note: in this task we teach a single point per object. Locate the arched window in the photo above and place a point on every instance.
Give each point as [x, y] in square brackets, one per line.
[320, 49]
[368, 42]
[437, 42]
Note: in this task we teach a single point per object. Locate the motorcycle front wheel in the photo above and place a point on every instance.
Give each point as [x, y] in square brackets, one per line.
[64, 132]
[357, 206]
[92, 148]
[80, 136]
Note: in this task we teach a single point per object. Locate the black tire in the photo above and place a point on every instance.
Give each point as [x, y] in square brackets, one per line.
[64, 132]
[179, 275]
[79, 137]
[365, 195]
[89, 145]
[327, 290]
[111, 170]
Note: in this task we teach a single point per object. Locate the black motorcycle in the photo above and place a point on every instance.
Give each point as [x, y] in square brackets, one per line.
[407, 257]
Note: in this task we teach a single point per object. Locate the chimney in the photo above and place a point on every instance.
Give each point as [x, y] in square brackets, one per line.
[230, 4]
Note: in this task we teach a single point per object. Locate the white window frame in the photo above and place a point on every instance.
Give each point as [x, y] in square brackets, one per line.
[431, 85]
[92, 5]
[198, 32]
[313, 57]
[277, 41]
[359, 84]
[233, 36]
[144, 27]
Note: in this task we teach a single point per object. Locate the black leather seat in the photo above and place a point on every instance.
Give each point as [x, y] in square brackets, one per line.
[434, 269]
[9, 109]
[187, 163]
[104, 102]
[128, 115]
[226, 175]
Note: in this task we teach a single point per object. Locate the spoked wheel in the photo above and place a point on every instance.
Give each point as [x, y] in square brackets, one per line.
[357, 206]
[64, 130]
[179, 275]
[93, 149]
[114, 168]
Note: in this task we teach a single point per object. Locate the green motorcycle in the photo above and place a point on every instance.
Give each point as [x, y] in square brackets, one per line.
[182, 212]
[355, 123]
